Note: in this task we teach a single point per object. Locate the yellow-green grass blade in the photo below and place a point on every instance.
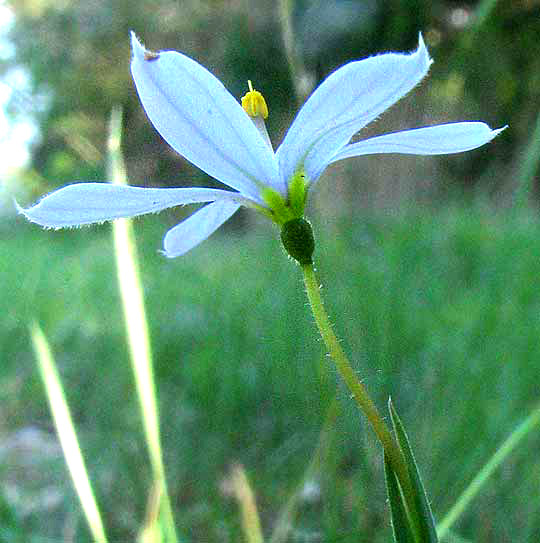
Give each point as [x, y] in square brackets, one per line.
[66, 434]
[529, 167]
[481, 14]
[485, 473]
[137, 326]
[152, 531]
[251, 524]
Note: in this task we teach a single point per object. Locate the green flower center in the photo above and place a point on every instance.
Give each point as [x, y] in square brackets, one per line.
[282, 210]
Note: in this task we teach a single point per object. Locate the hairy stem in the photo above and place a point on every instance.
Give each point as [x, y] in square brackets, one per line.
[357, 389]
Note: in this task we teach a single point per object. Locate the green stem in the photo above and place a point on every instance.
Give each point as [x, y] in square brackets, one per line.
[358, 390]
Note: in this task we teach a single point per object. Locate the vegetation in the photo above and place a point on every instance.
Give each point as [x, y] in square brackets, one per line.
[439, 310]
[432, 281]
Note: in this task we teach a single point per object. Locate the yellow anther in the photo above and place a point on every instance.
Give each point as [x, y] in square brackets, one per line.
[254, 103]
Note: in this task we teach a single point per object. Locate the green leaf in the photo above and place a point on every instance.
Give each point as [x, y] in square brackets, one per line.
[400, 523]
[424, 525]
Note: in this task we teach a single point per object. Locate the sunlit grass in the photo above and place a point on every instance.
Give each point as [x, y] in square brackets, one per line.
[243, 492]
[67, 434]
[138, 340]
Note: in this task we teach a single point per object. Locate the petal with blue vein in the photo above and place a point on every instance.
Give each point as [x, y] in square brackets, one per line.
[87, 203]
[346, 101]
[442, 139]
[202, 121]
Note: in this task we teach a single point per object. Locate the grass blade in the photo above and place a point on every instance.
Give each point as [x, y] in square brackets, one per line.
[137, 327]
[288, 512]
[66, 434]
[483, 475]
[302, 81]
[529, 167]
[152, 531]
[241, 488]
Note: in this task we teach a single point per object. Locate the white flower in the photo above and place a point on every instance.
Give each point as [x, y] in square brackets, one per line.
[203, 122]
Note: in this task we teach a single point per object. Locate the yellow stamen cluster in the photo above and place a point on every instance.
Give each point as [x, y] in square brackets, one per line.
[254, 103]
[278, 207]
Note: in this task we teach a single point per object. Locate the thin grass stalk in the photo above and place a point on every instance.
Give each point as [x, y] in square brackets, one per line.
[529, 166]
[481, 13]
[67, 434]
[151, 531]
[452, 537]
[485, 473]
[137, 327]
[288, 512]
[299, 76]
[251, 524]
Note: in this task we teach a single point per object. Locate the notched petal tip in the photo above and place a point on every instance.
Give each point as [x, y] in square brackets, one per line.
[423, 53]
[442, 139]
[135, 43]
[202, 121]
[20, 210]
[421, 42]
[346, 101]
[139, 50]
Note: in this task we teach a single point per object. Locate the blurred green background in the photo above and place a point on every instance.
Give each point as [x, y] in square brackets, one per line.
[430, 267]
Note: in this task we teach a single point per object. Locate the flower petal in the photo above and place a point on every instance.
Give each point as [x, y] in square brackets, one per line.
[87, 203]
[345, 102]
[202, 121]
[197, 227]
[442, 139]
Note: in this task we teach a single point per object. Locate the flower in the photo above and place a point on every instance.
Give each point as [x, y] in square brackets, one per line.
[203, 122]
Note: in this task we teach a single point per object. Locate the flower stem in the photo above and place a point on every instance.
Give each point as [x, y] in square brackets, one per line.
[357, 389]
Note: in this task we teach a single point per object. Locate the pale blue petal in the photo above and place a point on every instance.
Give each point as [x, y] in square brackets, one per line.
[87, 203]
[196, 228]
[345, 102]
[202, 121]
[442, 139]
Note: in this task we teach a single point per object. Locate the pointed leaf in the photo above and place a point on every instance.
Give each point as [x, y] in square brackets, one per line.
[398, 510]
[424, 516]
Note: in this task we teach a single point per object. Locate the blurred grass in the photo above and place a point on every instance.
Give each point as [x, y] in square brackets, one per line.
[160, 517]
[67, 434]
[440, 309]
